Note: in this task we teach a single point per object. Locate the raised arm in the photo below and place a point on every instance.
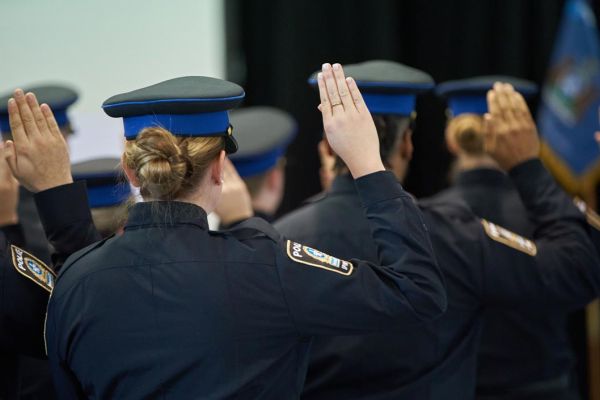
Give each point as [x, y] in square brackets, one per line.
[562, 267]
[38, 157]
[327, 295]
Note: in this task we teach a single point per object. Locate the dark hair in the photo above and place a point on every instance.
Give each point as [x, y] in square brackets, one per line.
[390, 129]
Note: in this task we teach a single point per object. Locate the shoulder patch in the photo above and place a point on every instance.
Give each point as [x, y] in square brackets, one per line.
[315, 258]
[33, 268]
[511, 239]
[592, 217]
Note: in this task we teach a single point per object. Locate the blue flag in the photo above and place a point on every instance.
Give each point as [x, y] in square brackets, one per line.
[568, 113]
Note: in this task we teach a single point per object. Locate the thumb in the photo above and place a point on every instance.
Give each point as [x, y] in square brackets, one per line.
[489, 134]
[9, 153]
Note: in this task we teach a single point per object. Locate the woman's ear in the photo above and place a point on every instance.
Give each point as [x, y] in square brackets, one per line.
[216, 174]
[129, 173]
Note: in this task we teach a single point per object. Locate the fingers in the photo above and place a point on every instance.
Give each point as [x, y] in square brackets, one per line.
[40, 120]
[50, 120]
[503, 100]
[26, 114]
[9, 153]
[332, 89]
[489, 133]
[521, 108]
[16, 124]
[492, 101]
[357, 98]
[597, 137]
[325, 106]
[342, 87]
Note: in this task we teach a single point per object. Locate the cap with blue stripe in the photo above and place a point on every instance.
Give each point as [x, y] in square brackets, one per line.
[470, 95]
[185, 106]
[58, 97]
[387, 87]
[106, 186]
[263, 135]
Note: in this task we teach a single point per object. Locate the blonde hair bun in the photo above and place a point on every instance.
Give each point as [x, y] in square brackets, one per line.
[466, 131]
[167, 166]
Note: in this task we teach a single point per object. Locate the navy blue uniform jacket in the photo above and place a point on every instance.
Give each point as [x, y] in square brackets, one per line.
[437, 360]
[68, 223]
[519, 348]
[172, 310]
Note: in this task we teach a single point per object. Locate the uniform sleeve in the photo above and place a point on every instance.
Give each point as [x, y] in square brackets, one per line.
[65, 383]
[22, 309]
[67, 220]
[327, 295]
[564, 270]
[14, 234]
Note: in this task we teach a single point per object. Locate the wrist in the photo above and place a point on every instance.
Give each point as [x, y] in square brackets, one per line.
[42, 186]
[11, 218]
[366, 168]
[512, 165]
[230, 219]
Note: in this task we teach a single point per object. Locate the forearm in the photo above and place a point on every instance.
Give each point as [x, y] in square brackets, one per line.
[545, 201]
[67, 220]
[14, 234]
[402, 239]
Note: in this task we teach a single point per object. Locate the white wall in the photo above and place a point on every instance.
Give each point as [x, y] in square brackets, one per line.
[105, 47]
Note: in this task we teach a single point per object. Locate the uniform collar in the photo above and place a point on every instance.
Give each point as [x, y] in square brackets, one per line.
[265, 216]
[166, 213]
[342, 184]
[482, 176]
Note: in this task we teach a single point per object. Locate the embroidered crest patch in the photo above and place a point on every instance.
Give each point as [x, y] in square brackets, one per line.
[32, 268]
[511, 239]
[315, 258]
[592, 217]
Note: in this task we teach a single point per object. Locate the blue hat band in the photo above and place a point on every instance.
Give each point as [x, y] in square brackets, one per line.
[204, 124]
[59, 115]
[249, 166]
[467, 104]
[109, 195]
[396, 104]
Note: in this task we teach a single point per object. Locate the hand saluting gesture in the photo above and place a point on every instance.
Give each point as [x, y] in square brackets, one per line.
[511, 134]
[38, 155]
[350, 130]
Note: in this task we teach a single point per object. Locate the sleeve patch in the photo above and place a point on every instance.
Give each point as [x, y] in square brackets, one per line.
[592, 217]
[315, 258]
[508, 238]
[33, 268]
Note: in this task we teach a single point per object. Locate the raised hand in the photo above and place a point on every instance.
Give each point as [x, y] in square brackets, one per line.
[9, 194]
[327, 170]
[511, 134]
[350, 130]
[38, 155]
[235, 203]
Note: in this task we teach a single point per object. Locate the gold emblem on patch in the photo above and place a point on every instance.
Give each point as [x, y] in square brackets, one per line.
[511, 239]
[315, 258]
[33, 268]
[590, 215]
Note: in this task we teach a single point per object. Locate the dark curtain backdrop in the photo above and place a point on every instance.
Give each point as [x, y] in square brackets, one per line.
[273, 46]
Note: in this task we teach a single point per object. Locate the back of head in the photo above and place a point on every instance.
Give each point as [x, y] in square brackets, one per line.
[464, 134]
[390, 90]
[175, 129]
[467, 103]
[169, 167]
